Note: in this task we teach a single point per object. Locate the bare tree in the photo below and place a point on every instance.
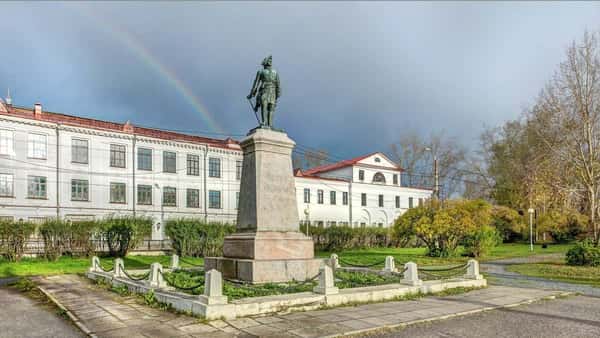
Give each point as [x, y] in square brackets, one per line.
[310, 159]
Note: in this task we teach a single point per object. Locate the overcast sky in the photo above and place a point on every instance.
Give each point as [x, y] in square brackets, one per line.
[355, 76]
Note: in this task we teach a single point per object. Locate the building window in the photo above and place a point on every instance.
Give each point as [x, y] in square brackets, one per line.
[36, 187]
[377, 160]
[361, 175]
[363, 199]
[193, 165]
[381, 201]
[169, 196]
[214, 167]
[397, 202]
[237, 199]
[332, 197]
[117, 192]
[36, 146]
[345, 198]
[7, 218]
[6, 185]
[144, 194]
[306, 195]
[214, 199]
[410, 202]
[320, 196]
[80, 190]
[169, 162]
[379, 178]
[238, 170]
[144, 159]
[7, 142]
[395, 179]
[79, 151]
[193, 198]
[420, 202]
[117, 156]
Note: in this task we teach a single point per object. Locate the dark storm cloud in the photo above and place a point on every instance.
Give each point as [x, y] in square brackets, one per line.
[354, 75]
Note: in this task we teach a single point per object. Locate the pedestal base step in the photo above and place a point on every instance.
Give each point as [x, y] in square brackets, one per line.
[264, 271]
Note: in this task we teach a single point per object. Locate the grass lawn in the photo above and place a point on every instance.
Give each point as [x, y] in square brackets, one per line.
[40, 266]
[561, 272]
[418, 255]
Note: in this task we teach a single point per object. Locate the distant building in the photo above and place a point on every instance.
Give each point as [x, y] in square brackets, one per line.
[57, 165]
[364, 191]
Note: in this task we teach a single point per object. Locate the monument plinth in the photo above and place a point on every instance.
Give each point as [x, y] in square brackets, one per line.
[267, 245]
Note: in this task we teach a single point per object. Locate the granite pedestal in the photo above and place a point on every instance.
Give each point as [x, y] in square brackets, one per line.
[267, 245]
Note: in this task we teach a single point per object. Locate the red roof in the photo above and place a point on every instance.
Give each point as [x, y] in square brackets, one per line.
[117, 127]
[338, 165]
[302, 174]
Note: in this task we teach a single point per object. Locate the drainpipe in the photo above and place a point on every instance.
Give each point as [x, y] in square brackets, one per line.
[205, 183]
[133, 173]
[350, 203]
[57, 171]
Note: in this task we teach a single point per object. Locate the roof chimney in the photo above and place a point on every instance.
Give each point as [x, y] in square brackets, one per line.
[8, 98]
[128, 127]
[37, 110]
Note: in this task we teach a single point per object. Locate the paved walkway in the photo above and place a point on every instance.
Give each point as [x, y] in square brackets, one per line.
[109, 315]
[500, 276]
[21, 316]
[562, 318]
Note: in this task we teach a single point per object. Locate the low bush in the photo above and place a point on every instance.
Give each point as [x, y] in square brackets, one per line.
[124, 233]
[13, 237]
[344, 237]
[195, 237]
[584, 253]
[510, 225]
[55, 233]
[563, 225]
[481, 241]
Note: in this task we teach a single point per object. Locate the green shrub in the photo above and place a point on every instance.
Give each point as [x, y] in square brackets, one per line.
[195, 237]
[481, 241]
[510, 225]
[13, 237]
[563, 225]
[344, 237]
[55, 233]
[124, 233]
[584, 253]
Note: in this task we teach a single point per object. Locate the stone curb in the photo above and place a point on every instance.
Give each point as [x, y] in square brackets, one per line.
[72, 317]
[452, 315]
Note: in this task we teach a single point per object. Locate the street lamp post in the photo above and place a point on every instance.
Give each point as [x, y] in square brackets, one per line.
[531, 211]
[307, 221]
[436, 177]
[162, 213]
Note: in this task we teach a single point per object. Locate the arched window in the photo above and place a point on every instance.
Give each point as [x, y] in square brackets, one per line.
[379, 178]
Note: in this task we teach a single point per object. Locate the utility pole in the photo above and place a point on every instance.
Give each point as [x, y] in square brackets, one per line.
[436, 176]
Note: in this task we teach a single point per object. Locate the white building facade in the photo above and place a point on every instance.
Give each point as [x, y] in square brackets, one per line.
[365, 191]
[56, 165]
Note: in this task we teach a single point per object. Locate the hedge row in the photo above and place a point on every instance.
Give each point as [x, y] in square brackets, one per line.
[195, 237]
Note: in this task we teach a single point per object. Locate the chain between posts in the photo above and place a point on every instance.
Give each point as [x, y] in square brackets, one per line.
[105, 270]
[144, 276]
[361, 266]
[190, 264]
[457, 267]
[171, 283]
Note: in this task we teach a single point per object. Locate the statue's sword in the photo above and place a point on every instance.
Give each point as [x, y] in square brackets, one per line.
[254, 110]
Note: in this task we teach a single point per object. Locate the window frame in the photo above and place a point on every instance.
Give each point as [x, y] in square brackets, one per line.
[212, 194]
[320, 197]
[361, 175]
[169, 159]
[172, 192]
[380, 200]
[10, 148]
[344, 198]
[31, 149]
[307, 195]
[363, 199]
[38, 185]
[214, 167]
[332, 197]
[187, 198]
[138, 190]
[397, 200]
[411, 203]
[379, 178]
[12, 184]
[74, 153]
[142, 156]
[114, 162]
[193, 164]
[395, 179]
[238, 169]
[82, 190]
[111, 193]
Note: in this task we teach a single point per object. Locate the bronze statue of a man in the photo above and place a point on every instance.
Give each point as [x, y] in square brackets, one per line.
[267, 85]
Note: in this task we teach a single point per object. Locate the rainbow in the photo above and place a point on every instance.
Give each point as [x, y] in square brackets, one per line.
[140, 51]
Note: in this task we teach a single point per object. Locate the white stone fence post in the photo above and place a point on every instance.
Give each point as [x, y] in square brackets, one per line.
[155, 278]
[411, 275]
[334, 261]
[174, 262]
[473, 270]
[326, 282]
[390, 265]
[95, 265]
[119, 268]
[213, 288]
